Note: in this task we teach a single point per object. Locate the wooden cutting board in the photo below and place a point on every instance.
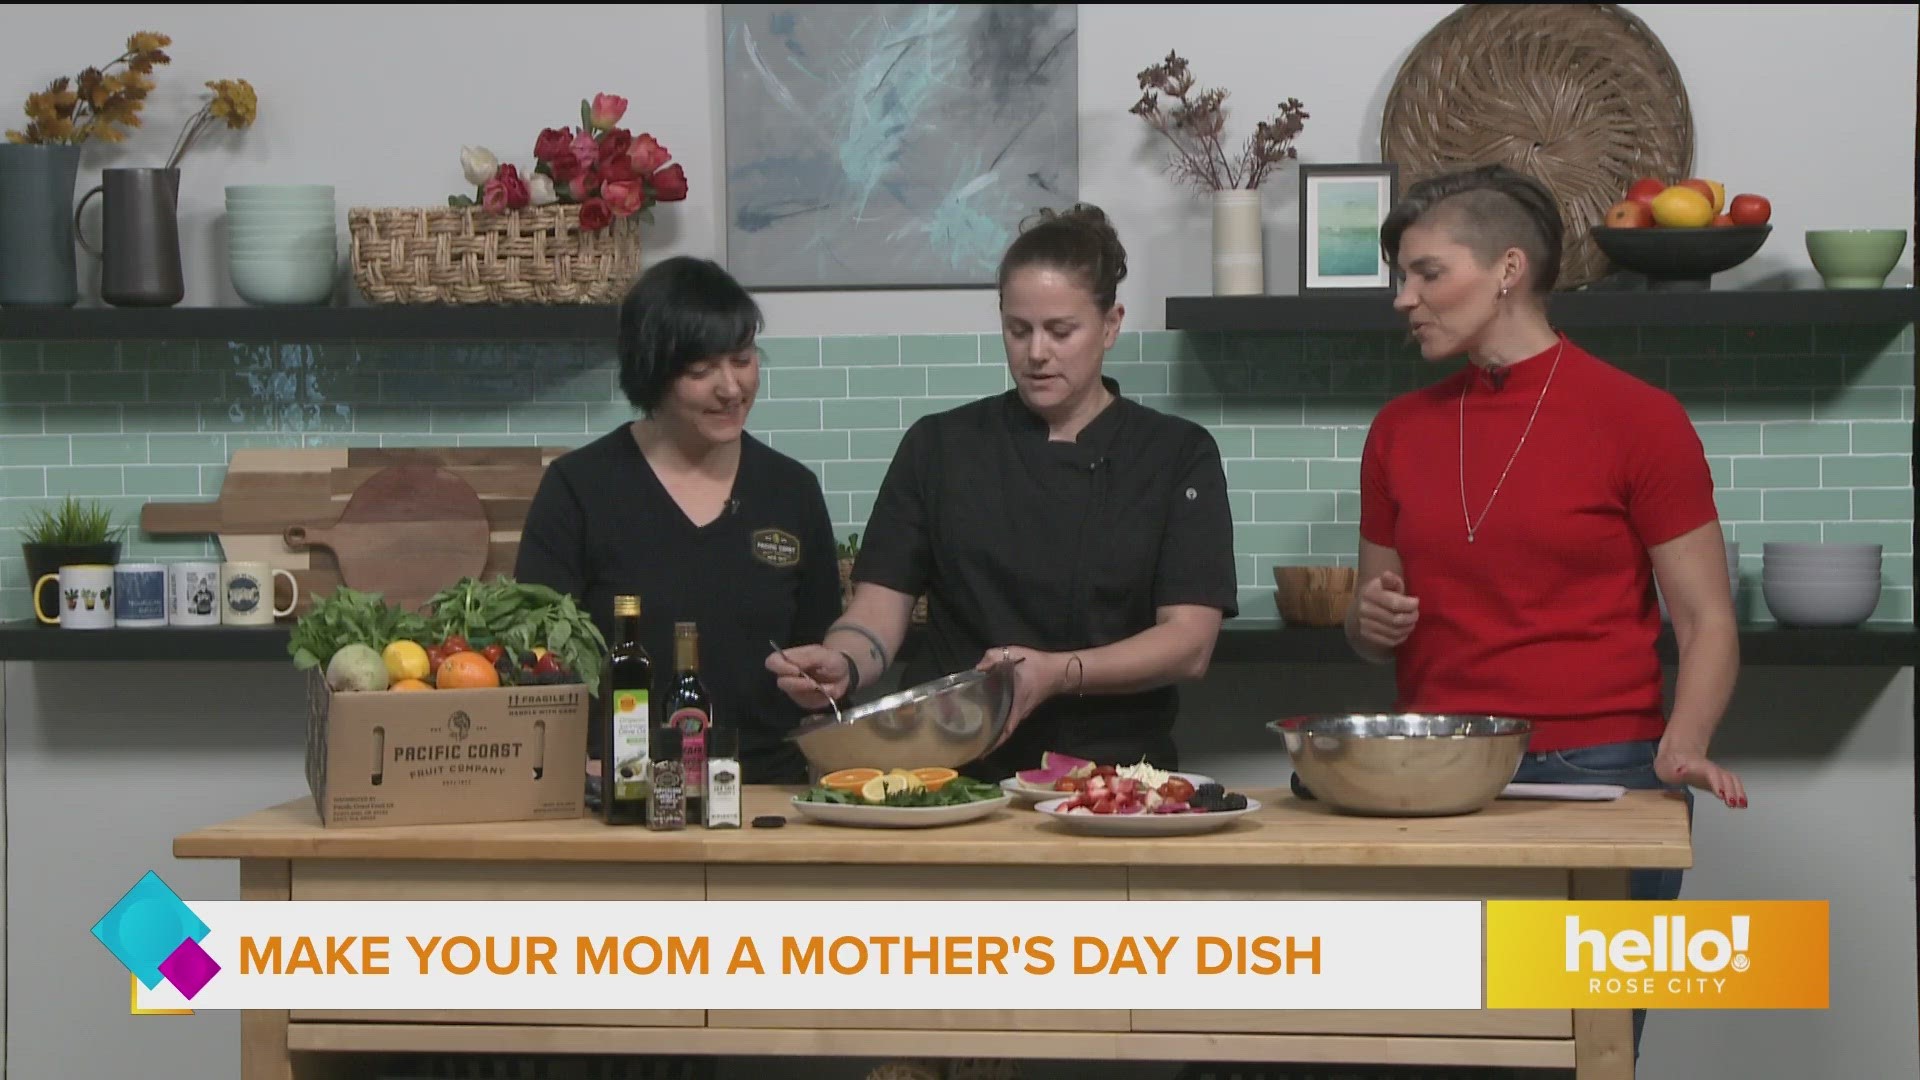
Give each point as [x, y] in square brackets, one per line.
[407, 532]
[268, 490]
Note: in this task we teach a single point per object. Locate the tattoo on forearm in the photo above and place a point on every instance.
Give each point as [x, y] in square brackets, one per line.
[877, 651]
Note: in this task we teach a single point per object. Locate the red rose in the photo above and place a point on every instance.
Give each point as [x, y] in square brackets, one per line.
[594, 214]
[584, 185]
[618, 168]
[553, 144]
[564, 168]
[669, 184]
[515, 188]
[624, 197]
[648, 155]
[614, 144]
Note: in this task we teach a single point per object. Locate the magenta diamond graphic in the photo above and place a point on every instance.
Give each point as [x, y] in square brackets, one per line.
[189, 969]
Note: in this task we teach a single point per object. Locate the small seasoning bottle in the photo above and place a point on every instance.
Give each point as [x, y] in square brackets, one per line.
[723, 778]
[666, 801]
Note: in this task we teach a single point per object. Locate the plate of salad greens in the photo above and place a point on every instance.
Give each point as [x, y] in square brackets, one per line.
[899, 800]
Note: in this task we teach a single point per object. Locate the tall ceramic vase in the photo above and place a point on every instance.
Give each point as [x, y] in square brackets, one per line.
[1239, 267]
[36, 225]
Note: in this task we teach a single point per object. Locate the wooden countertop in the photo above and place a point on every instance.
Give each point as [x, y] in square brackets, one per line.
[1642, 829]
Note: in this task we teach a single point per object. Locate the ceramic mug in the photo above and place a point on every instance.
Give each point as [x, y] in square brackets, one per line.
[85, 597]
[246, 593]
[140, 594]
[193, 594]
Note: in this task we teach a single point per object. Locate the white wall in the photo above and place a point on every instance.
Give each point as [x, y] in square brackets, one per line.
[1812, 106]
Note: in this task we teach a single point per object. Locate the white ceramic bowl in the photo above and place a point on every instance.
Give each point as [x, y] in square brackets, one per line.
[1780, 549]
[1822, 603]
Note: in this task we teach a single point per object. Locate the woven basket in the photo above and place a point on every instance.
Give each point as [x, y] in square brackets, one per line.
[1314, 595]
[1581, 96]
[444, 255]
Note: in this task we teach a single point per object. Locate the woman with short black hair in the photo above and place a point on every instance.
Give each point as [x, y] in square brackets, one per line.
[685, 509]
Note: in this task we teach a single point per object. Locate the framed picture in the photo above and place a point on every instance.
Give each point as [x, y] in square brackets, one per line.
[1341, 209]
[893, 146]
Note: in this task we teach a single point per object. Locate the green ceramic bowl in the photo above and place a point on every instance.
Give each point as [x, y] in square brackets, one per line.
[1855, 258]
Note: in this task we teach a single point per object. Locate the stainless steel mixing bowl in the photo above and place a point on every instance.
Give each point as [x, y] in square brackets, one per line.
[947, 722]
[1405, 764]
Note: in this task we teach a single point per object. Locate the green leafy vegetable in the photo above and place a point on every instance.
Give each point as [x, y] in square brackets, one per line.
[954, 792]
[346, 616]
[520, 616]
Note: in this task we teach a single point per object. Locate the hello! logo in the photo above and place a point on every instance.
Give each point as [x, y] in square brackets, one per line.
[1555, 954]
[1631, 961]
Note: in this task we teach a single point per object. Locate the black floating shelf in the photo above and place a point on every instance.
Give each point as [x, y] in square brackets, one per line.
[398, 322]
[1873, 645]
[1572, 310]
[599, 322]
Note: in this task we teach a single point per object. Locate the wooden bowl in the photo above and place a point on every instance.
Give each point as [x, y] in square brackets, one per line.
[1314, 595]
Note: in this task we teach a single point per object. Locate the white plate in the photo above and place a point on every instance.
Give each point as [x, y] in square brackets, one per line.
[1028, 796]
[895, 817]
[1144, 824]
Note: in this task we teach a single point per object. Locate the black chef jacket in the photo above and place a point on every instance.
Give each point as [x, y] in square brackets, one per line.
[765, 570]
[1057, 546]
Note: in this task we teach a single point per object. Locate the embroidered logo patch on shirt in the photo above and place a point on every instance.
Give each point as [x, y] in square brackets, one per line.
[776, 547]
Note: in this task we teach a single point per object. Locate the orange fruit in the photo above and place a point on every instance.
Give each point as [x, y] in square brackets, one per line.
[466, 670]
[848, 779]
[935, 777]
[410, 684]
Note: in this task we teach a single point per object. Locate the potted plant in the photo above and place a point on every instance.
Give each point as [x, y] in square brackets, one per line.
[73, 532]
[1194, 122]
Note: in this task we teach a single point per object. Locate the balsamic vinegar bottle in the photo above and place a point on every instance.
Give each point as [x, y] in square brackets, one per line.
[625, 779]
[690, 711]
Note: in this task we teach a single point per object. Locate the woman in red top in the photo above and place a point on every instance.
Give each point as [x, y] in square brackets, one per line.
[1515, 516]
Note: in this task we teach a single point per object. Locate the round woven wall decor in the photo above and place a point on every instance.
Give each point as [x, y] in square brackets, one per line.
[1581, 96]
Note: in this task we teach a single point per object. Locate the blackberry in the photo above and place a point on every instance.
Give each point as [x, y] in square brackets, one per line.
[1235, 801]
[1209, 791]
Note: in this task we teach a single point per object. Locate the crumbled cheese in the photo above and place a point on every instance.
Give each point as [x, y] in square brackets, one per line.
[1146, 774]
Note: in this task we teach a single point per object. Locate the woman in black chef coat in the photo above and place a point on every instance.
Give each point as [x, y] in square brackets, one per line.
[1058, 523]
[700, 520]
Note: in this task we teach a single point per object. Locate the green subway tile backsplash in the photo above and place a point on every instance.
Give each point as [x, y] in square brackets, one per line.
[1809, 430]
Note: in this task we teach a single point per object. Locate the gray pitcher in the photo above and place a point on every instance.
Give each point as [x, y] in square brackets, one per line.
[141, 235]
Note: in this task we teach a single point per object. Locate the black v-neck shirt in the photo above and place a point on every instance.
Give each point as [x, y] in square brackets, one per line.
[602, 524]
[1057, 546]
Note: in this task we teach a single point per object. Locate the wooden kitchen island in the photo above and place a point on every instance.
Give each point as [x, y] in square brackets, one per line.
[1289, 850]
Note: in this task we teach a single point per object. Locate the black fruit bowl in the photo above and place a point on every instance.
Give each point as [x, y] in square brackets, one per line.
[1680, 259]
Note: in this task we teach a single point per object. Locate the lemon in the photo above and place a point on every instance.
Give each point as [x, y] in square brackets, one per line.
[878, 788]
[1682, 208]
[405, 660]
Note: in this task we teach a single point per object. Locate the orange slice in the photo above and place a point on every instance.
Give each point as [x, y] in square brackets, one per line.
[848, 779]
[935, 777]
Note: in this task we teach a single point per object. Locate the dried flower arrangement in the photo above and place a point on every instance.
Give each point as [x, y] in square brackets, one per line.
[1194, 127]
[100, 103]
[233, 101]
[609, 171]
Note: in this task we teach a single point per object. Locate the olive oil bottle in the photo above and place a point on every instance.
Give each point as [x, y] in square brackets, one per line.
[625, 778]
[690, 710]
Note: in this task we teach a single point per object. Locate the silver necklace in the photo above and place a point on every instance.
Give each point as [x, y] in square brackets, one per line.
[1473, 526]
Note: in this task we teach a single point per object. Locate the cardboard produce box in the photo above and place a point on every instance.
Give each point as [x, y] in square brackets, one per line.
[437, 757]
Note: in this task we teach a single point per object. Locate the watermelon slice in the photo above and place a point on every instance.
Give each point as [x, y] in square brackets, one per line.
[1040, 778]
[1061, 765]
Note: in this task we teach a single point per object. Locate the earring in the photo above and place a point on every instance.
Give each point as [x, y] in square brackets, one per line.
[1503, 292]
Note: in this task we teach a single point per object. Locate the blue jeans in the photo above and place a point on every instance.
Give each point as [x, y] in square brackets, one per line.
[1629, 765]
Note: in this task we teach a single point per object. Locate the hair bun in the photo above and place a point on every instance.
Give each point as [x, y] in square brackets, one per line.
[1079, 238]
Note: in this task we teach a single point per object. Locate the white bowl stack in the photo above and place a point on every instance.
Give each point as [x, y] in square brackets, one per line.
[1821, 584]
[283, 243]
[1733, 580]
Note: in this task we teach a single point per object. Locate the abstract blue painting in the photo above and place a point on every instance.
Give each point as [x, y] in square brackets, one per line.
[893, 145]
